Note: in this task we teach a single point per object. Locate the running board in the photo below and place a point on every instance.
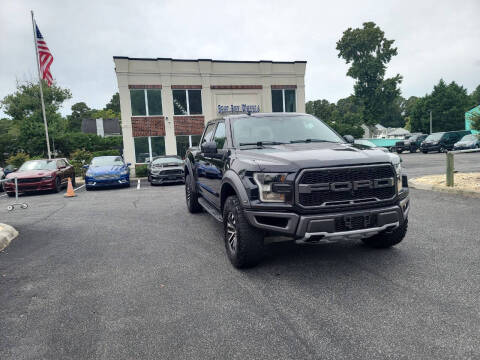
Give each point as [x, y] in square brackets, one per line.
[210, 209]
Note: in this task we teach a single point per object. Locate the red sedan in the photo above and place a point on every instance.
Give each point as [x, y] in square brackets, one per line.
[39, 175]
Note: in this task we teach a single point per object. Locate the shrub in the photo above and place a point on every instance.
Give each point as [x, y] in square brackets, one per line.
[78, 158]
[18, 159]
[113, 152]
[141, 170]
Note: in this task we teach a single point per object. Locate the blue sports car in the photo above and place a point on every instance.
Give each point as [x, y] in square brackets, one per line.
[107, 171]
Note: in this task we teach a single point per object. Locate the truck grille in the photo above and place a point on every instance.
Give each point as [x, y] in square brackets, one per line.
[345, 186]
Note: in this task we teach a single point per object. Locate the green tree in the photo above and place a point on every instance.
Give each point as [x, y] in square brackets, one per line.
[448, 104]
[475, 95]
[114, 104]
[80, 111]
[24, 107]
[369, 52]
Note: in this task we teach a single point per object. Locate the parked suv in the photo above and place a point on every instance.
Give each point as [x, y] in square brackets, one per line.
[289, 174]
[442, 141]
[412, 144]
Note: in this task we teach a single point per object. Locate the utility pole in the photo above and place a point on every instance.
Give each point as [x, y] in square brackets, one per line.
[430, 121]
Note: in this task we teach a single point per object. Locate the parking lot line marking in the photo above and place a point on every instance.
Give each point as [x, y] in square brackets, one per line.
[3, 195]
[79, 187]
[138, 184]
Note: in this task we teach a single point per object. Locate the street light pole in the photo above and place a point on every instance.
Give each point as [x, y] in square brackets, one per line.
[430, 121]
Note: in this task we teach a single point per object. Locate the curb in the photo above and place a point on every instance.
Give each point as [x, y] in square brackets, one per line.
[413, 184]
[7, 234]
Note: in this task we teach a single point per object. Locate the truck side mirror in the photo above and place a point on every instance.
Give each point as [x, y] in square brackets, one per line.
[209, 147]
[349, 139]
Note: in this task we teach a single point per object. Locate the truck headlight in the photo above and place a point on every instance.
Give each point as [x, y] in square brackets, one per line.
[398, 172]
[266, 186]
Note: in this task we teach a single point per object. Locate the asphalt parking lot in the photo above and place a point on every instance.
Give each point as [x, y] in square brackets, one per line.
[418, 164]
[129, 274]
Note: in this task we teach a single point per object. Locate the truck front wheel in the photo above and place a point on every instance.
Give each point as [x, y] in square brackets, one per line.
[191, 196]
[243, 242]
[387, 239]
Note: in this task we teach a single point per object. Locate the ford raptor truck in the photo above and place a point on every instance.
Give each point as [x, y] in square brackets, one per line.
[290, 176]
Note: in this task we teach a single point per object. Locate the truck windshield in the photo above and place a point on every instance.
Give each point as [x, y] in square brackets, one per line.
[281, 129]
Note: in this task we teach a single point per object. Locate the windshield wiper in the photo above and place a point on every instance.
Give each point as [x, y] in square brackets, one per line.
[262, 143]
[312, 140]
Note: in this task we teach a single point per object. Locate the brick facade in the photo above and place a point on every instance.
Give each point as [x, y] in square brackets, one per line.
[148, 126]
[189, 125]
[174, 87]
[236, 87]
[280, 87]
[144, 86]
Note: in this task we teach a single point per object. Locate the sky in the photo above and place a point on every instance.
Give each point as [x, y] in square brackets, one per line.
[435, 39]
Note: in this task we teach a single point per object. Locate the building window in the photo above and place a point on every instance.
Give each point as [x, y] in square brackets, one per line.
[186, 141]
[146, 102]
[283, 100]
[147, 147]
[187, 102]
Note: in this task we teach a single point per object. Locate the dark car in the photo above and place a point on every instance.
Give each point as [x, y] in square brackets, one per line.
[365, 144]
[470, 141]
[107, 171]
[412, 144]
[166, 169]
[289, 174]
[442, 141]
[40, 175]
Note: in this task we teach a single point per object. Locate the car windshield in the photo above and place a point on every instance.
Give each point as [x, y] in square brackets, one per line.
[107, 161]
[469, 137]
[365, 143]
[281, 129]
[435, 136]
[38, 165]
[167, 160]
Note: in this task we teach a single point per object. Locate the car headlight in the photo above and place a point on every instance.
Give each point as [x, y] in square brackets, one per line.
[266, 186]
[124, 172]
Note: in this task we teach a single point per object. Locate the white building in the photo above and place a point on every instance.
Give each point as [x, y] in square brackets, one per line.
[166, 102]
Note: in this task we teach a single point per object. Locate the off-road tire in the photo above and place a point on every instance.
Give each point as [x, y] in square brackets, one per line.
[387, 239]
[191, 197]
[248, 249]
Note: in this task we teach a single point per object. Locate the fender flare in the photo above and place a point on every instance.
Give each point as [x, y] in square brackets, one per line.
[231, 178]
[188, 166]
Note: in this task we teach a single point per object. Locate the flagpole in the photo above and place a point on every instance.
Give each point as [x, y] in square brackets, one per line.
[41, 86]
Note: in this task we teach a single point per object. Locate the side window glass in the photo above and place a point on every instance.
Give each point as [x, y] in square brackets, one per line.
[207, 136]
[220, 135]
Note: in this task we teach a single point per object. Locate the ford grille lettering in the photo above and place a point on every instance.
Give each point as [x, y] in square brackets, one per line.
[347, 185]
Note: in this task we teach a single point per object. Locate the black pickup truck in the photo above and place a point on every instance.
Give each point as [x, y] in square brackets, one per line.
[290, 175]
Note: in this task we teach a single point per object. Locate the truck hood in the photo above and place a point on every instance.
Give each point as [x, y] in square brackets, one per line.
[293, 157]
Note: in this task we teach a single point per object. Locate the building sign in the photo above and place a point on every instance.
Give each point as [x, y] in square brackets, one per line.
[235, 109]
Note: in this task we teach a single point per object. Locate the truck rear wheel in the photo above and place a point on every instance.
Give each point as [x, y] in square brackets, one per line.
[191, 196]
[243, 242]
[387, 239]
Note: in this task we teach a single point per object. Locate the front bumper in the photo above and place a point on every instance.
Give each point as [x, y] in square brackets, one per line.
[347, 224]
[91, 182]
[430, 147]
[166, 179]
[40, 185]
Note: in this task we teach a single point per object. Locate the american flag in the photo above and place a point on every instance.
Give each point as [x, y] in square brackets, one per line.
[44, 56]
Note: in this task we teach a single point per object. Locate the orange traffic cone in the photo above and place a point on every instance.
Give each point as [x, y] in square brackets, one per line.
[70, 191]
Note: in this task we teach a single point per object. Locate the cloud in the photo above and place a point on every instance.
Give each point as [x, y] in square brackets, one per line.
[432, 37]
